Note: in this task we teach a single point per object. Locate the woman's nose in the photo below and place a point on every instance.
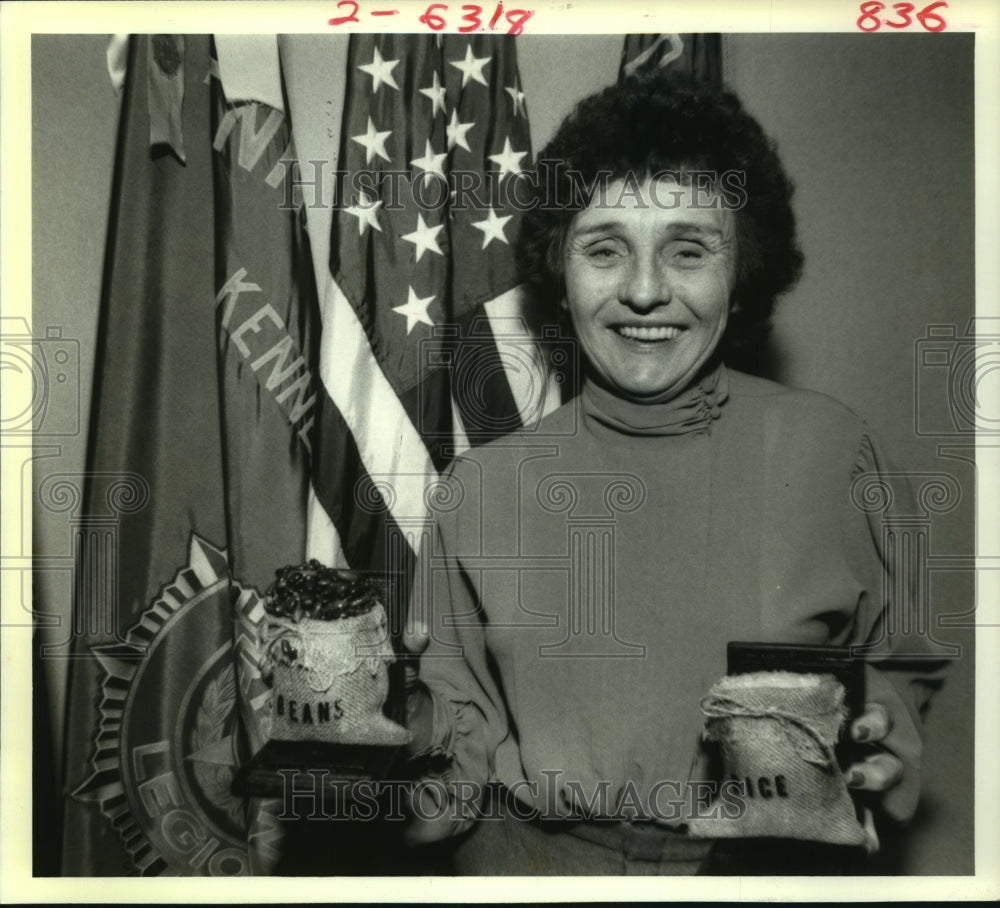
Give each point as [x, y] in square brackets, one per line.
[645, 285]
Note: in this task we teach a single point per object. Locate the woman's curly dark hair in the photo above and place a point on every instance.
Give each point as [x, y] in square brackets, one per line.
[647, 124]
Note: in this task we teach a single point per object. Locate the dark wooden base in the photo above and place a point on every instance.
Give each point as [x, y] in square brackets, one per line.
[281, 766]
[333, 843]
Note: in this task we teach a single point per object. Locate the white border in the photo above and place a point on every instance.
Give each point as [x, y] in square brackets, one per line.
[20, 20]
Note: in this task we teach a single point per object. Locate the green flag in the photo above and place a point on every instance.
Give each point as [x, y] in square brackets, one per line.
[197, 476]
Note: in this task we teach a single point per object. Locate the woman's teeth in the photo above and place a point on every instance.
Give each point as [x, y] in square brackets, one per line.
[658, 333]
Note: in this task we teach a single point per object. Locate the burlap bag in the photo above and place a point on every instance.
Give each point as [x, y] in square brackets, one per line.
[777, 732]
[331, 679]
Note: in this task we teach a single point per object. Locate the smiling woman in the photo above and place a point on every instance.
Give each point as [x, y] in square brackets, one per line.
[667, 145]
[587, 576]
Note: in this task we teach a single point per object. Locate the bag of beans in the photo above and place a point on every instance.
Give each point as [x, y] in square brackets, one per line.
[326, 647]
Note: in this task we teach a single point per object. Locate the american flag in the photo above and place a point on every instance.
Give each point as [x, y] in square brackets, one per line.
[424, 348]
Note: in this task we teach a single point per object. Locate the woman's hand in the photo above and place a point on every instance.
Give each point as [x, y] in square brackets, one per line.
[420, 722]
[877, 772]
[419, 709]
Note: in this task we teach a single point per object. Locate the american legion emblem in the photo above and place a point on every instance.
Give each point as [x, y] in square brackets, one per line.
[169, 738]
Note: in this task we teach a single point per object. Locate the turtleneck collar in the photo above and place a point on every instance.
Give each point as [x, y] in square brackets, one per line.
[692, 411]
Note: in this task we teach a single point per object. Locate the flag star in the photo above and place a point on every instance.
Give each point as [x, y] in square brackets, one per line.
[374, 142]
[509, 161]
[492, 228]
[471, 67]
[415, 310]
[517, 96]
[456, 132]
[381, 71]
[436, 93]
[424, 238]
[365, 211]
[430, 163]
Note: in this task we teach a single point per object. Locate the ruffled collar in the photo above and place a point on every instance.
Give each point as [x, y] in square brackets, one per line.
[692, 411]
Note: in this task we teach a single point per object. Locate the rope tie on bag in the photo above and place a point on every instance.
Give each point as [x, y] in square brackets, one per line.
[811, 745]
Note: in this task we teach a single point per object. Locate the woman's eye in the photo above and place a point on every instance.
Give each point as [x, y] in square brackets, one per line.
[603, 255]
[690, 254]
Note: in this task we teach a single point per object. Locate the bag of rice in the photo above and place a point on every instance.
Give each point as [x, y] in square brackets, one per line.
[777, 732]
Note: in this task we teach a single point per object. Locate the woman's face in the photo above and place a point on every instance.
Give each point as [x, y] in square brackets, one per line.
[648, 285]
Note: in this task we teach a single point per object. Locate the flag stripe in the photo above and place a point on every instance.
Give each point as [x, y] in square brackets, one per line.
[387, 441]
[322, 538]
[481, 387]
[345, 489]
[428, 405]
[527, 341]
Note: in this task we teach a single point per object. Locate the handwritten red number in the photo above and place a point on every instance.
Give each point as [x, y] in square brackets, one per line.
[868, 11]
[904, 10]
[496, 16]
[928, 13]
[869, 21]
[353, 17]
[517, 18]
[472, 17]
[431, 19]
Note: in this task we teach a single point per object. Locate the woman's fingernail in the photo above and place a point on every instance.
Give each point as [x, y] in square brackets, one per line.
[861, 732]
[856, 779]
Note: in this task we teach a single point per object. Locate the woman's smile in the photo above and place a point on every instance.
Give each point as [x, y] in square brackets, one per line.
[643, 334]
